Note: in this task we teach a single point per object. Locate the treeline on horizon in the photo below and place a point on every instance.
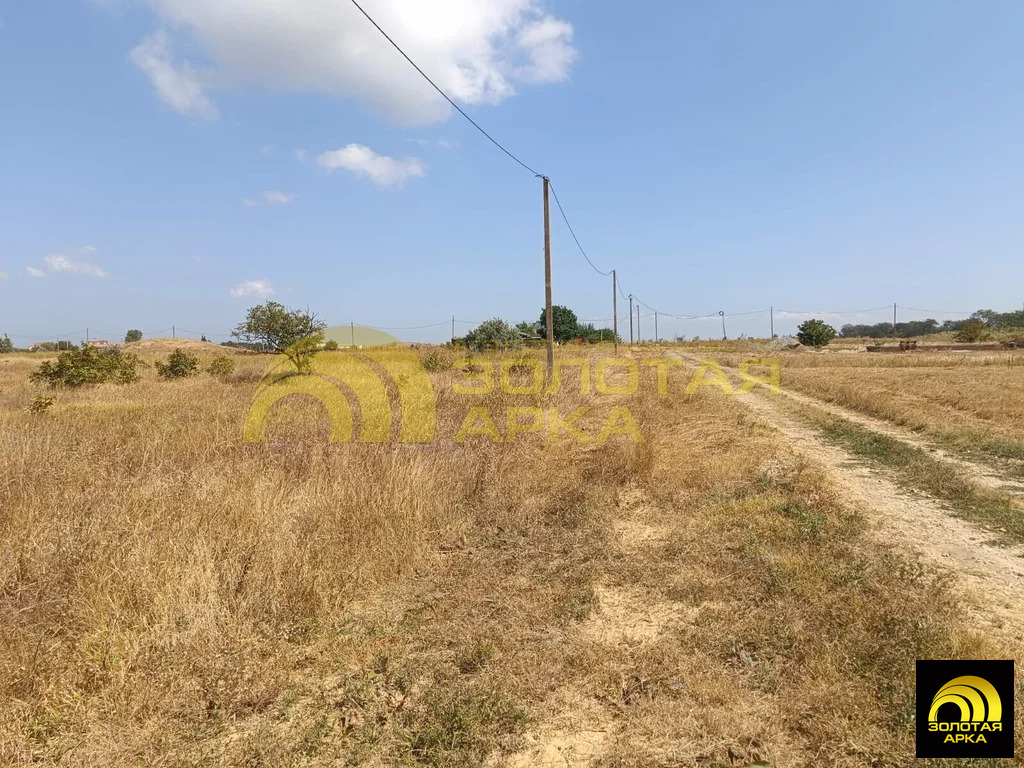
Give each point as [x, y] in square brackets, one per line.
[995, 321]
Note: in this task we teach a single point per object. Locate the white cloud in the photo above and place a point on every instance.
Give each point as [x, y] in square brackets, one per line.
[58, 262]
[476, 50]
[181, 87]
[270, 198]
[277, 198]
[253, 289]
[384, 171]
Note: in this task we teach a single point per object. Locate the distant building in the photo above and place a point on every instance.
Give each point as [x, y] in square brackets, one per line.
[100, 343]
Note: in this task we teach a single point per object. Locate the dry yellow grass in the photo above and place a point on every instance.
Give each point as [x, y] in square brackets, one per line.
[973, 402]
[170, 595]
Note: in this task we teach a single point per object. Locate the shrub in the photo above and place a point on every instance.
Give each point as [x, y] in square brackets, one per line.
[179, 365]
[438, 360]
[815, 333]
[972, 331]
[80, 366]
[221, 365]
[331, 345]
[6, 347]
[133, 335]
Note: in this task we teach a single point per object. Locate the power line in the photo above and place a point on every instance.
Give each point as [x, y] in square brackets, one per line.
[476, 125]
[573, 233]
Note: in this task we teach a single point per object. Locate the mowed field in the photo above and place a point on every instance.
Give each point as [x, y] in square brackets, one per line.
[703, 596]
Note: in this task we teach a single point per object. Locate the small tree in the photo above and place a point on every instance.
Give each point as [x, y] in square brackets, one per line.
[80, 366]
[971, 331]
[291, 332]
[221, 366]
[492, 333]
[133, 335]
[6, 347]
[566, 324]
[815, 333]
[179, 365]
[331, 345]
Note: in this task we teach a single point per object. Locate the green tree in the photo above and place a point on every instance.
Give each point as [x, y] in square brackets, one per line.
[492, 333]
[179, 365]
[815, 333]
[291, 332]
[221, 366]
[331, 345]
[80, 366]
[530, 329]
[972, 330]
[566, 324]
[133, 335]
[6, 347]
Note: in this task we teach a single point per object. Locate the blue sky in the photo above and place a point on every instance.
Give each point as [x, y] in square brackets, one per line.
[171, 162]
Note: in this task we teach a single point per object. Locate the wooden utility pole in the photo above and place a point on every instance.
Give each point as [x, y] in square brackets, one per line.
[656, 339]
[631, 319]
[453, 327]
[547, 279]
[894, 319]
[615, 311]
[352, 330]
[639, 336]
[724, 334]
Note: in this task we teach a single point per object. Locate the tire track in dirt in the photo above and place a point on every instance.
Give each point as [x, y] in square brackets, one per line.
[993, 576]
[980, 474]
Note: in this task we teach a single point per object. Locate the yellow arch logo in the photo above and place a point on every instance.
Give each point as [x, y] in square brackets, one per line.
[385, 391]
[976, 697]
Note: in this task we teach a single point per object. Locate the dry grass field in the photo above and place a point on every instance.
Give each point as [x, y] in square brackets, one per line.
[970, 401]
[170, 595]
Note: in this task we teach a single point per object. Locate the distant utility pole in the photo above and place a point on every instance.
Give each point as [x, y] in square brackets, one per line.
[86, 337]
[615, 311]
[639, 336]
[631, 319]
[771, 322]
[547, 279]
[894, 319]
[725, 336]
[174, 333]
[453, 327]
[352, 331]
[656, 327]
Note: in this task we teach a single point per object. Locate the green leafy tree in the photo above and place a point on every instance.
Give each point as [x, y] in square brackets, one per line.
[530, 329]
[6, 347]
[566, 324]
[133, 335]
[492, 333]
[971, 331]
[81, 366]
[179, 365]
[221, 366]
[815, 333]
[291, 332]
[331, 345]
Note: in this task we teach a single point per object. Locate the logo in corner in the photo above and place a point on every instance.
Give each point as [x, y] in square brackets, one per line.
[375, 394]
[965, 709]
